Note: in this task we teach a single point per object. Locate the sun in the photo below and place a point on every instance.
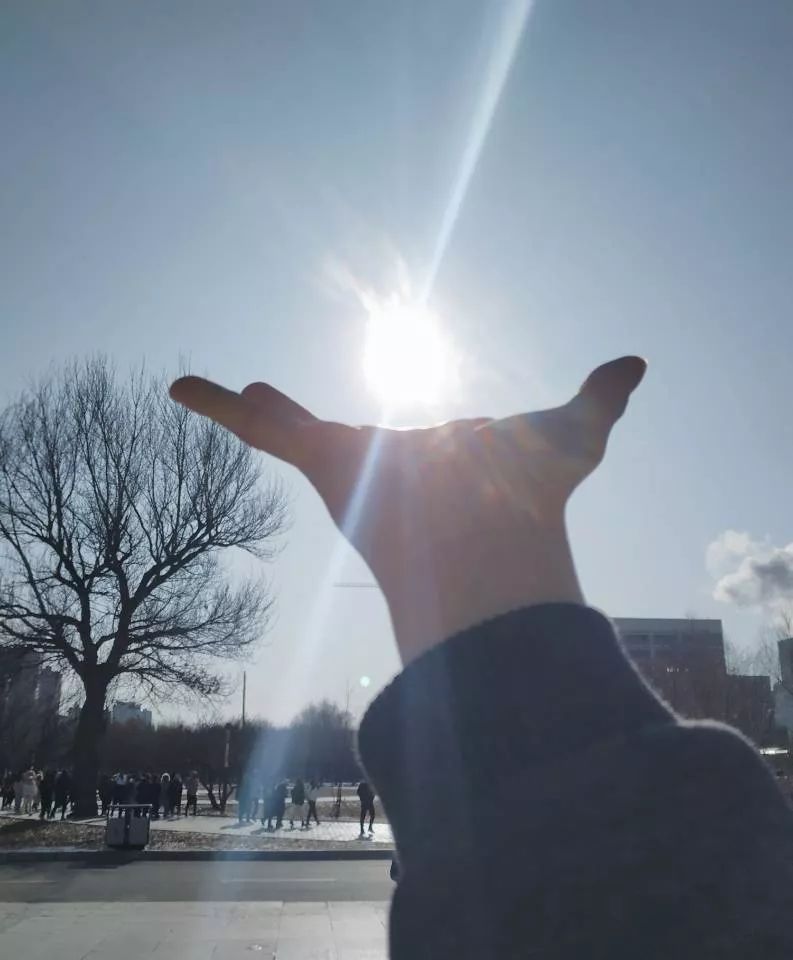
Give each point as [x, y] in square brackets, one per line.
[408, 360]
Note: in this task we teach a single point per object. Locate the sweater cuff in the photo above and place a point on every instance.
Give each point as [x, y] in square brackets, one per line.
[518, 691]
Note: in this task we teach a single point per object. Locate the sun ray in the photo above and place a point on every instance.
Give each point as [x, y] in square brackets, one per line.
[511, 30]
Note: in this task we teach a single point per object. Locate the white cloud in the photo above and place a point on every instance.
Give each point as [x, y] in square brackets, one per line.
[727, 550]
[750, 573]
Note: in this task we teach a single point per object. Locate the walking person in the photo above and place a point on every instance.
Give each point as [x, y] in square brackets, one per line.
[296, 808]
[30, 790]
[19, 791]
[61, 792]
[312, 792]
[165, 795]
[37, 798]
[276, 805]
[8, 791]
[268, 808]
[175, 794]
[366, 796]
[46, 794]
[191, 788]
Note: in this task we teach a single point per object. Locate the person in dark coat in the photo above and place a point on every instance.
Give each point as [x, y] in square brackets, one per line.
[297, 807]
[61, 792]
[106, 787]
[8, 790]
[192, 784]
[366, 796]
[276, 805]
[143, 793]
[175, 794]
[46, 794]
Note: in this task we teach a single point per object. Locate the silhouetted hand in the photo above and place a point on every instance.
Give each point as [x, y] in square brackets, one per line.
[458, 522]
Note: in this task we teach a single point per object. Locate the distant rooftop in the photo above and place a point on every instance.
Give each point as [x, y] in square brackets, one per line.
[666, 624]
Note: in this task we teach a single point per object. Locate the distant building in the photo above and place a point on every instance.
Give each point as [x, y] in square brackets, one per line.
[683, 660]
[783, 707]
[27, 688]
[783, 691]
[124, 711]
[674, 642]
[30, 698]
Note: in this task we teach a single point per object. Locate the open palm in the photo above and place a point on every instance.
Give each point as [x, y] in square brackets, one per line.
[411, 501]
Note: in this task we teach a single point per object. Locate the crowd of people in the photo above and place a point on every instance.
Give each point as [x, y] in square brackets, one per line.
[163, 794]
[46, 793]
[295, 801]
[49, 793]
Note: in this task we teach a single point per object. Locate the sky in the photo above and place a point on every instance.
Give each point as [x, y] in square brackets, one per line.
[193, 182]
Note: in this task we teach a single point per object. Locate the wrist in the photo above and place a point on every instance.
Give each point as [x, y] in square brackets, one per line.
[449, 587]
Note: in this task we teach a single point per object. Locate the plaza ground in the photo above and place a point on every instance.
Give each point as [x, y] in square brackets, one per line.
[296, 910]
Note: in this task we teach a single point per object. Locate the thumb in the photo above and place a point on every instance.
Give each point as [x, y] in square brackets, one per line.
[607, 389]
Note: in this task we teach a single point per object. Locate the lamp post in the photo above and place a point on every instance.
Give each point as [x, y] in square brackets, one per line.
[226, 755]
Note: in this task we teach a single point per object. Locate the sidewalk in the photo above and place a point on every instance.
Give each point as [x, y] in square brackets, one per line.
[327, 831]
[352, 930]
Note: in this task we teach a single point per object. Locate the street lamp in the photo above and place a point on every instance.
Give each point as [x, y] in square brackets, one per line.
[226, 753]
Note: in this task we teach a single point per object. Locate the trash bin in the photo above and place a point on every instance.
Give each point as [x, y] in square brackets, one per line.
[128, 826]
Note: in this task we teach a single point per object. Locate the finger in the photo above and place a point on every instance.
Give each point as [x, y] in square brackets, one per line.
[277, 404]
[607, 389]
[271, 430]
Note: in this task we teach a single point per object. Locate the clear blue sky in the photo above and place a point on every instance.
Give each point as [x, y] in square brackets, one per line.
[176, 177]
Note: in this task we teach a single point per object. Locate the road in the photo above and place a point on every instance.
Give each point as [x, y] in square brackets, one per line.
[228, 880]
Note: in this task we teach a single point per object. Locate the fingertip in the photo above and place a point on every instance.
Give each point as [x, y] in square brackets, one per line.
[182, 387]
[610, 385]
[634, 368]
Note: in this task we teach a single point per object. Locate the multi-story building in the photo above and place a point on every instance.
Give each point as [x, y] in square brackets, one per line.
[783, 689]
[683, 660]
[27, 687]
[668, 642]
[125, 711]
[30, 698]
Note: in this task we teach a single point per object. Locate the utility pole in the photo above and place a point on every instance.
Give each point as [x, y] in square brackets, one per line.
[226, 752]
[244, 686]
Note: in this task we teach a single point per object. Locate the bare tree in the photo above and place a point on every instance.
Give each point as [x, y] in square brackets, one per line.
[116, 506]
[321, 743]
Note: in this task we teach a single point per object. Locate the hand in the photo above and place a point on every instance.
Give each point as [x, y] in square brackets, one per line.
[458, 522]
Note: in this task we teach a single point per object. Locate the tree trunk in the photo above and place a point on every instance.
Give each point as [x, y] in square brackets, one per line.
[87, 741]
